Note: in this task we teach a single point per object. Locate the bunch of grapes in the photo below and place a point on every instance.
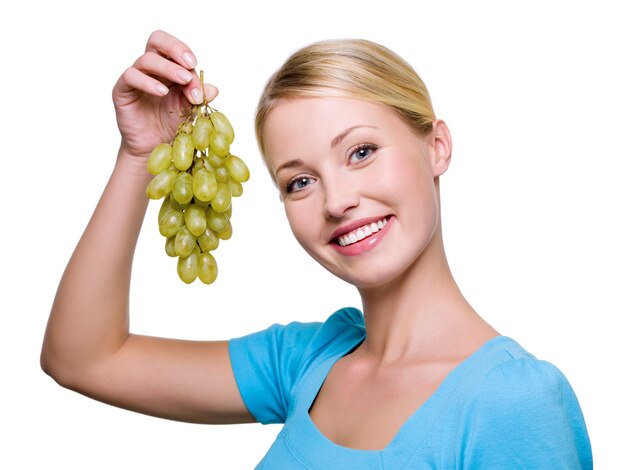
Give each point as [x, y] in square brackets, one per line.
[197, 177]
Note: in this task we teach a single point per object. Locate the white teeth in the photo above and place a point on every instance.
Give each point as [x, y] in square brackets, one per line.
[361, 233]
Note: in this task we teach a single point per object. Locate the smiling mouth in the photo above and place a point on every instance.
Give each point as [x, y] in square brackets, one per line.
[360, 233]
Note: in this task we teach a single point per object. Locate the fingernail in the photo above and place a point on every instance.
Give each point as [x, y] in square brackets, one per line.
[162, 89]
[189, 59]
[196, 94]
[184, 75]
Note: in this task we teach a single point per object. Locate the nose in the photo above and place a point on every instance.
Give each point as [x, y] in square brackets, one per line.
[339, 198]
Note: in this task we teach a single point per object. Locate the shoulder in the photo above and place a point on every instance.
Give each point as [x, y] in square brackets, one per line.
[524, 410]
[268, 365]
[518, 377]
[343, 325]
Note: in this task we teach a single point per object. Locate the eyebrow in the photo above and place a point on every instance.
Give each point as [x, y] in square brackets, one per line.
[336, 141]
[290, 164]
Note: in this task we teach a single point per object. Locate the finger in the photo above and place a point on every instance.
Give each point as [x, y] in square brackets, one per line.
[170, 73]
[163, 69]
[194, 94]
[169, 46]
[210, 91]
[132, 80]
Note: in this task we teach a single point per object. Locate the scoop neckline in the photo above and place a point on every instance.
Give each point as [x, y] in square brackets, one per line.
[429, 412]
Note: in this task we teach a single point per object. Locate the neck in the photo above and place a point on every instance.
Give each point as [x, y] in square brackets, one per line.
[421, 314]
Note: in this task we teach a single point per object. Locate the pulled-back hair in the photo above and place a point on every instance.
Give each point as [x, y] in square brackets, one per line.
[349, 68]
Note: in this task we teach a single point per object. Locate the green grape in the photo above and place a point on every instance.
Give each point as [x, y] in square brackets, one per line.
[237, 168]
[174, 204]
[182, 152]
[222, 125]
[202, 129]
[208, 241]
[195, 220]
[197, 166]
[219, 144]
[235, 188]
[227, 232]
[187, 267]
[214, 160]
[170, 222]
[169, 247]
[203, 204]
[184, 243]
[161, 185]
[222, 199]
[165, 205]
[207, 268]
[221, 174]
[197, 177]
[204, 185]
[160, 158]
[216, 221]
[182, 189]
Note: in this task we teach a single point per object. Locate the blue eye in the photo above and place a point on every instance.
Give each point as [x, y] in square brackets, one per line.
[298, 184]
[362, 152]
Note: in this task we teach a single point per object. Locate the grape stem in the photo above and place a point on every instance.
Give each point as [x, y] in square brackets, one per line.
[206, 109]
[203, 109]
[204, 102]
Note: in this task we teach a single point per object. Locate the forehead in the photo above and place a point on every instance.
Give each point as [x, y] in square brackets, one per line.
[297, 124]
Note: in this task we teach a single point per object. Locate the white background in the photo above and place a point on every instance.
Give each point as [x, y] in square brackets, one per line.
[533, 203]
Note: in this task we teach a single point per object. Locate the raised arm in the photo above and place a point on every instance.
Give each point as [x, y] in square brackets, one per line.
[87, 345]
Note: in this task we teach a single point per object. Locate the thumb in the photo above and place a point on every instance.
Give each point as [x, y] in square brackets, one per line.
[210, 91]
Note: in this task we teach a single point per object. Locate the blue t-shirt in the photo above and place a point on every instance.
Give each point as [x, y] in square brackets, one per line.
[501, 408]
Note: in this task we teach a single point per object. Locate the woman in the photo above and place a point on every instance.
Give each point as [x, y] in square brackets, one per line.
[419, 380]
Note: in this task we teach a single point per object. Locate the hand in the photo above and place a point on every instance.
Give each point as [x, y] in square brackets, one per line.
[150, 95]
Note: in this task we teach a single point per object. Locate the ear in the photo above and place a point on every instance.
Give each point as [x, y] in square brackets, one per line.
[441, 147]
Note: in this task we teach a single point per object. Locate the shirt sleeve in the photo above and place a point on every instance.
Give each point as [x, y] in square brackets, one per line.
[266, 365]
[269, 365]
[525, 415]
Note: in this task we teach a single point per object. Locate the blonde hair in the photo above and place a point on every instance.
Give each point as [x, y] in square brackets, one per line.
[349, 68]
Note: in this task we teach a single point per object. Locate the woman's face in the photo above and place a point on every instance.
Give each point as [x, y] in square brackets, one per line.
[357, 184]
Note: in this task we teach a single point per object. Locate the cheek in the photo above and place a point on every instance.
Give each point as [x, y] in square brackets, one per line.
[298, 216]
[409, 177]
[414, 183]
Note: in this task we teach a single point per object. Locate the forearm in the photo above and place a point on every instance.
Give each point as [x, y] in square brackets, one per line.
[89, 317]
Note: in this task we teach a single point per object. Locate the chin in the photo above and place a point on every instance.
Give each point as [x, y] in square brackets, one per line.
[369, 277]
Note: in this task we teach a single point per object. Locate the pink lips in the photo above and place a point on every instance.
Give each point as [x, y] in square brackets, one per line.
[365, 244]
